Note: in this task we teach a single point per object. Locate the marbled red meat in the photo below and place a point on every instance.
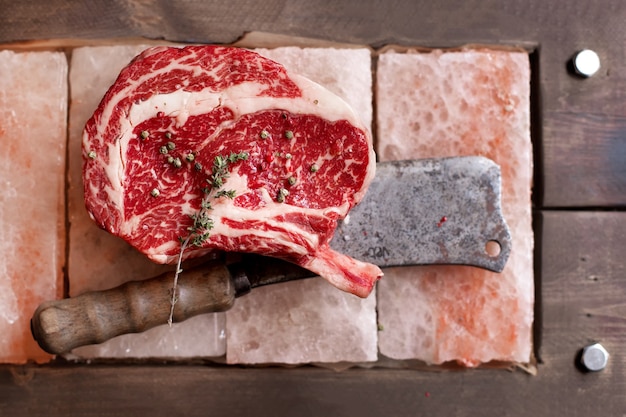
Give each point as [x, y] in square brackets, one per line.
[205, 101]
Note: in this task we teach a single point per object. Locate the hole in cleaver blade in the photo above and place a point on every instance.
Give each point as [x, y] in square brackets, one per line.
[428, 212]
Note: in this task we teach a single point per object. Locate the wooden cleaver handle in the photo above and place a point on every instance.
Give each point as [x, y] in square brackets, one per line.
[94, 317]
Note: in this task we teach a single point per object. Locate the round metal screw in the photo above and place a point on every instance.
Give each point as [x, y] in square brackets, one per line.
[594, 357]
[586, 63]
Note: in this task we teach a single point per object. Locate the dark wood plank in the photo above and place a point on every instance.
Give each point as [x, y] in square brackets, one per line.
[584, 260]
[584, 160]
[166, 391]
[583, 300]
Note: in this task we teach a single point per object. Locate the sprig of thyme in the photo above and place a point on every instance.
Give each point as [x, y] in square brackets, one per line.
[200, 230]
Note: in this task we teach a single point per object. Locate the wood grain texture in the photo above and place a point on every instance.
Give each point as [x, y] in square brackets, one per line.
[583, 301]
[584, 160]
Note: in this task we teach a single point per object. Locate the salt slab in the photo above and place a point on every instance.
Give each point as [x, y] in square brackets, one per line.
[98, 260]
[301, 322]
[33, 111]
[438, 104]
[309, 320]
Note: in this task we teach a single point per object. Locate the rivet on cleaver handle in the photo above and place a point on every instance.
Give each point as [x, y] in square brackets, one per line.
[429, 211]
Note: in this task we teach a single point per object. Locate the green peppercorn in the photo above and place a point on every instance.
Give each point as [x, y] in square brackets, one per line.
[163, 150]
[155, 192]
[177, 163]
[289, 134]
[92, 154]
[144, 134]
[171, 146]
[314, 168]
[264, 134]
[190, 157]
[292, 180]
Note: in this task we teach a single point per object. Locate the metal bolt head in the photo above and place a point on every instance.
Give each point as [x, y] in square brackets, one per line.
[586, 63]
[594, 357]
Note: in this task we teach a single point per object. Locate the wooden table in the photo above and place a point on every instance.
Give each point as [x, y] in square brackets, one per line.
[579, 134]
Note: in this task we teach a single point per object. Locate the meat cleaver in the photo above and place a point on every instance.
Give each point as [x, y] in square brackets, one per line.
[418, 212]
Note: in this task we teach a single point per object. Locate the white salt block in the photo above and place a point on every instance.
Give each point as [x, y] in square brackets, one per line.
[98, 260]
[309, 320]
[199, 336]
[439, 104]
[301, 322]
[33, 114]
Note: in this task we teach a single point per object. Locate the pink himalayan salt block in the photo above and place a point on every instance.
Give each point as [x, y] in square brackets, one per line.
[439, 104]
[98, 260]
[33, 111]
[309, 320]
[300, 322]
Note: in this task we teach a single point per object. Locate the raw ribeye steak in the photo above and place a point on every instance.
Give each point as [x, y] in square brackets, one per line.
[150, 161]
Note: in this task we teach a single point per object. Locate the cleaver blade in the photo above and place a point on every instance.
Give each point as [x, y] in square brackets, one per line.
[429, 211]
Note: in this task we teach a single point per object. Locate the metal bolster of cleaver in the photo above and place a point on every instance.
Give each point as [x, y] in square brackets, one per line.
[418, 212]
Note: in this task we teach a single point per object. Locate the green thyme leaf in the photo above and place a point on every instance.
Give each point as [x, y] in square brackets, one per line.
[225, 193]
